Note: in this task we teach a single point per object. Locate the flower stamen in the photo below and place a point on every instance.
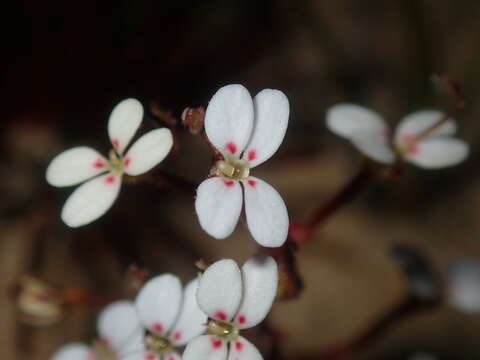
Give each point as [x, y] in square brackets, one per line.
[157, 344]
[232, 168]
[222, 329]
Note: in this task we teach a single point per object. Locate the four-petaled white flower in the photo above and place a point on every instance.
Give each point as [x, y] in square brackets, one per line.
[234, 300]
[463, 285]
[371, 135]
[246, 133]
[93, 198]
[170, 316]
[120, 334]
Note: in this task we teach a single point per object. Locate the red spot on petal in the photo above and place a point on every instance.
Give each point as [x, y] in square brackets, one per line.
[116, 143]
[157, 327]
[242, 319]
[252, 183]
[413, 150]
[127, 162]
[252, 154]
[239, 346]
[110, 179]
[220, 315]
[105, 340]
[216, 343]
[150, 357]
[231, 147]
[99, 163]
[91, 356]
[177, 335]
[171, 357]
[229, 183]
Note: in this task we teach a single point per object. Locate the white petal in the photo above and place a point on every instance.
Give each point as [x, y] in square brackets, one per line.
[158, 303]
[205, 347]
[463, 279]
[91, 200]
[220, 290]
[172, 355]
[271, 120]
[229, 119]
[414, 123]
[191, 321]
[218, 205]
[123, 123]
[374, 146]
[139, 355]
[118, 324]
[260, 281]
[148, 151]
[73, 351]
[267, 215]
[75, 166]
[242, 349]
[347, 120]
[435, 153]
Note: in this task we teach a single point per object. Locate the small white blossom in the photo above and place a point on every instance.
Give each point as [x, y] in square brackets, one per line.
[463, 285]
[120, 334]
[369, 132]
[234, 300]
[95, 196]
[246, 132]
[170, 317]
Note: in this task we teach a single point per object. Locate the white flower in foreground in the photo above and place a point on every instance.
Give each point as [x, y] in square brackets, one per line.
[94, 197]
[120, 333]
[370, 134]
[463, 285]
[170, 315]
[246, 133]
[234, 300]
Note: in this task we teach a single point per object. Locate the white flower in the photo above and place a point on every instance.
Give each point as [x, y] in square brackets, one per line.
[234, 300]
[371, 135]
[94, 197]
[246, 133]
[463, 285]
[170, 315]
[120, 333]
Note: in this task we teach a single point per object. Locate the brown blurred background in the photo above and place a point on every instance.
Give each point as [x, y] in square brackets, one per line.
[66, 64]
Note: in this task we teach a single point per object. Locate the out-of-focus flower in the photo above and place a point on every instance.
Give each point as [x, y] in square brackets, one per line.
[246, 133]
[234, 300]
[417, 139]
[463, 285]
[94, 197]
[120, 334]
[170, 315]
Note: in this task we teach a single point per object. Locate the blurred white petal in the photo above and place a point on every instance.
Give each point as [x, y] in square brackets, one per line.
[73, 351]
[205, 347]
[463, 281]
[374, 146]
[436, 153]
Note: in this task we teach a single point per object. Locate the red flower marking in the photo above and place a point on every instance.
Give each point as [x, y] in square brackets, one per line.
[98, 164]
[91, 356]
[110, 179]
[239, 346]
[127, 162]
[171, 357]
[157, 327]
[150, 357]
[229, 183]
[231, 147]
[221, 315]
[216, 343]
[242, 319]
[177, 335]
[414, 150]
[252, 183]
[116, 143]
[252, 154]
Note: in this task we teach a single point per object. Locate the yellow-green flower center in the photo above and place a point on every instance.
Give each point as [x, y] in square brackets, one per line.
[157, 344]
[223, 330]
[232, 168]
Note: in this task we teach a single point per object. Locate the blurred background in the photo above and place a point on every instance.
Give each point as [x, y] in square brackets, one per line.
[65, 66]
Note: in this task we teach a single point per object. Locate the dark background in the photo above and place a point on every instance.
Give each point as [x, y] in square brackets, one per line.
[66, 64]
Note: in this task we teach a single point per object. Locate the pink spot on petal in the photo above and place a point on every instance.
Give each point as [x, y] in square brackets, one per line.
[171, 357]
[252, 183]
[157, 327]
[127, 162]
[414, 150]
[252, 154]
[242, 319]
[220, 315]
[110, 179]
[216, 343]
[239, 346]
[116, 143]
[99, 163]
[150, 356]
[91, 356]
[229, 183]
[231, 147]
[177, 335]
